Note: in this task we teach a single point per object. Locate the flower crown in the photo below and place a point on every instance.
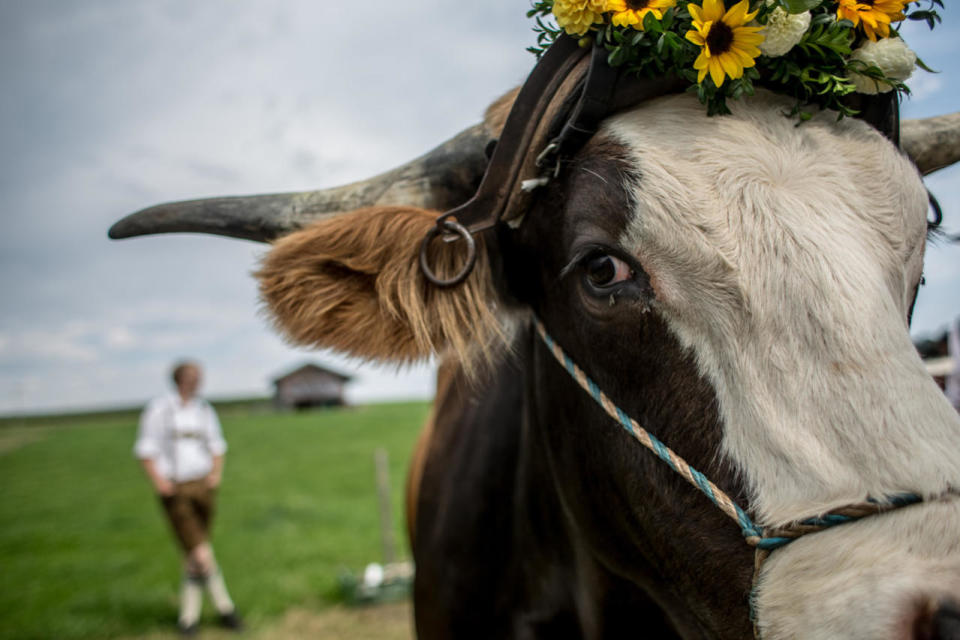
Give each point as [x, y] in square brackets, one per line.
[818, 51]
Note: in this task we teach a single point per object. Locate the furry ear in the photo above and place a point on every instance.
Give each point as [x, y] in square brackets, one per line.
[353, 283]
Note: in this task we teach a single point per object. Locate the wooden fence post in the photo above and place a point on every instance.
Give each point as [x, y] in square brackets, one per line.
[380, 461]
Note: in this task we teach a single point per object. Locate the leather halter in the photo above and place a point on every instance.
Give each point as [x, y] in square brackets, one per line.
[559, 108]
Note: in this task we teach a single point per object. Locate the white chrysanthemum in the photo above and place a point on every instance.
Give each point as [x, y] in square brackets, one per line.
[890, 55]
[783, 31]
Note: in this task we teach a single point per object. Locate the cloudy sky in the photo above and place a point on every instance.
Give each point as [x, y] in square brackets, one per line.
[110, 106]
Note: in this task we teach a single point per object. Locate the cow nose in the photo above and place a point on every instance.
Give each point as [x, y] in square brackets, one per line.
[940, 622]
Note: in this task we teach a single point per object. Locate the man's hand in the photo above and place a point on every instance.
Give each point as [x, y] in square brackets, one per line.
[213, 480]
[164, 487]
[161, 485]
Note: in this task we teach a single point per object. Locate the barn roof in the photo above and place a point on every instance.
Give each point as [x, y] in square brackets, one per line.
[310, 366]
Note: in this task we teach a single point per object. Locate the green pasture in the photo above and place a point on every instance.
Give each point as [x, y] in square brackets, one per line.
[85, 553]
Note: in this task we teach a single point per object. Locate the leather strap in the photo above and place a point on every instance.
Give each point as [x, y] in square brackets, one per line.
[486, 208]
[558, 109]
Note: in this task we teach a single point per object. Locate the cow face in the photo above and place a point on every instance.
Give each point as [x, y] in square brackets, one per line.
[739, 285]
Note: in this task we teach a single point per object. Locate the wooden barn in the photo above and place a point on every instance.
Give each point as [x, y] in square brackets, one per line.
[309, 386]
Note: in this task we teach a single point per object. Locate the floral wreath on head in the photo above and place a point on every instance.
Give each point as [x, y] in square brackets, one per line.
[818, 51]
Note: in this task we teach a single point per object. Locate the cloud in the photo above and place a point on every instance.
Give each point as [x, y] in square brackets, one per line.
[924, 86]
[63, 346]
[110, 107]
[121, 338]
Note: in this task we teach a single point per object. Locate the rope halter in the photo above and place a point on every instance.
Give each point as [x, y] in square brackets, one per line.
[764, 540]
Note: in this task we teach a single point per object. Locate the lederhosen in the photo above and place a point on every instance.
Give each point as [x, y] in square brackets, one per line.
[190, 508]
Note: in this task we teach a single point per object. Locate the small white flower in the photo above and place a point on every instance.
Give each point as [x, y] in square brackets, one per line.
[783, 31]
[890, 55]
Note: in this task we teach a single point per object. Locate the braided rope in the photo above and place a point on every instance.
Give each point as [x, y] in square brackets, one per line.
[774, 538]
[750, 531]
[764, 540]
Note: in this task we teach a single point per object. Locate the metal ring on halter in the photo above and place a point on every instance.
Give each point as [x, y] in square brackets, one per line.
[457, 228]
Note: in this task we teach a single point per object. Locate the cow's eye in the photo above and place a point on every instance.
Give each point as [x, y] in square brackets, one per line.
[603, 270]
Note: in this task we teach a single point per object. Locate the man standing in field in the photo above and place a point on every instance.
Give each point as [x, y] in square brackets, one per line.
[181, 448]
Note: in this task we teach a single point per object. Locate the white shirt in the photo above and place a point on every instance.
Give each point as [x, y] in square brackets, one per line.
[181, 439]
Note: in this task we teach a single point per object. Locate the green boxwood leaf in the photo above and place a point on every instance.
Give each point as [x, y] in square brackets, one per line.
[667, 19]
[651, 24]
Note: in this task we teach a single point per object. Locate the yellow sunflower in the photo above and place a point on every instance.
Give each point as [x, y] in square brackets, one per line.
[875, 15]
[577, 16]
[630, 13]
[727, 46]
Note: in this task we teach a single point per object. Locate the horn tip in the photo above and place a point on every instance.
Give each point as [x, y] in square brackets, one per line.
[129, 226]
[118, 231]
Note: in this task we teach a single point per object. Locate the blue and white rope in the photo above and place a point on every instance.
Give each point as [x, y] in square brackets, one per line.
[662, 451]
[755, 536]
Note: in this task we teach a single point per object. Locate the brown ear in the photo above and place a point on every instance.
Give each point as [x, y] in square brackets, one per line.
[353, 283]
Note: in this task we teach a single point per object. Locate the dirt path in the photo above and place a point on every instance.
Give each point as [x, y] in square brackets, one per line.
[12, 438]
[381, 622]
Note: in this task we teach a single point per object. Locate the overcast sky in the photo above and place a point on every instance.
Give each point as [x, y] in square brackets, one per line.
[110, 106]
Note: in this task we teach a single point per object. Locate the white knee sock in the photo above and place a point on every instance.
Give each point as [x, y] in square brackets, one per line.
[191, 600]
[218, 592]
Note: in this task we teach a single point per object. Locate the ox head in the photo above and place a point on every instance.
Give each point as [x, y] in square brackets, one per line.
[739, 284]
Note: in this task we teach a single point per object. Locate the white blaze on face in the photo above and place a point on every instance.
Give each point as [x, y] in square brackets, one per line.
[785, 259]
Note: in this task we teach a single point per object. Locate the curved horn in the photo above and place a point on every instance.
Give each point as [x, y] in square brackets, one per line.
[440, 179]
[932, 143]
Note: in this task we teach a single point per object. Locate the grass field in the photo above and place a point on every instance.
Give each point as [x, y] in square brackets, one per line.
[85, 553]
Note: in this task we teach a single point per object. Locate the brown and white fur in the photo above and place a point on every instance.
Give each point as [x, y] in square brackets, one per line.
[785, 259]
[763, 334]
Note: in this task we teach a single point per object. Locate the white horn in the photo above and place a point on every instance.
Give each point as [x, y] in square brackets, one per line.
[932, 143]
[440, 179]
